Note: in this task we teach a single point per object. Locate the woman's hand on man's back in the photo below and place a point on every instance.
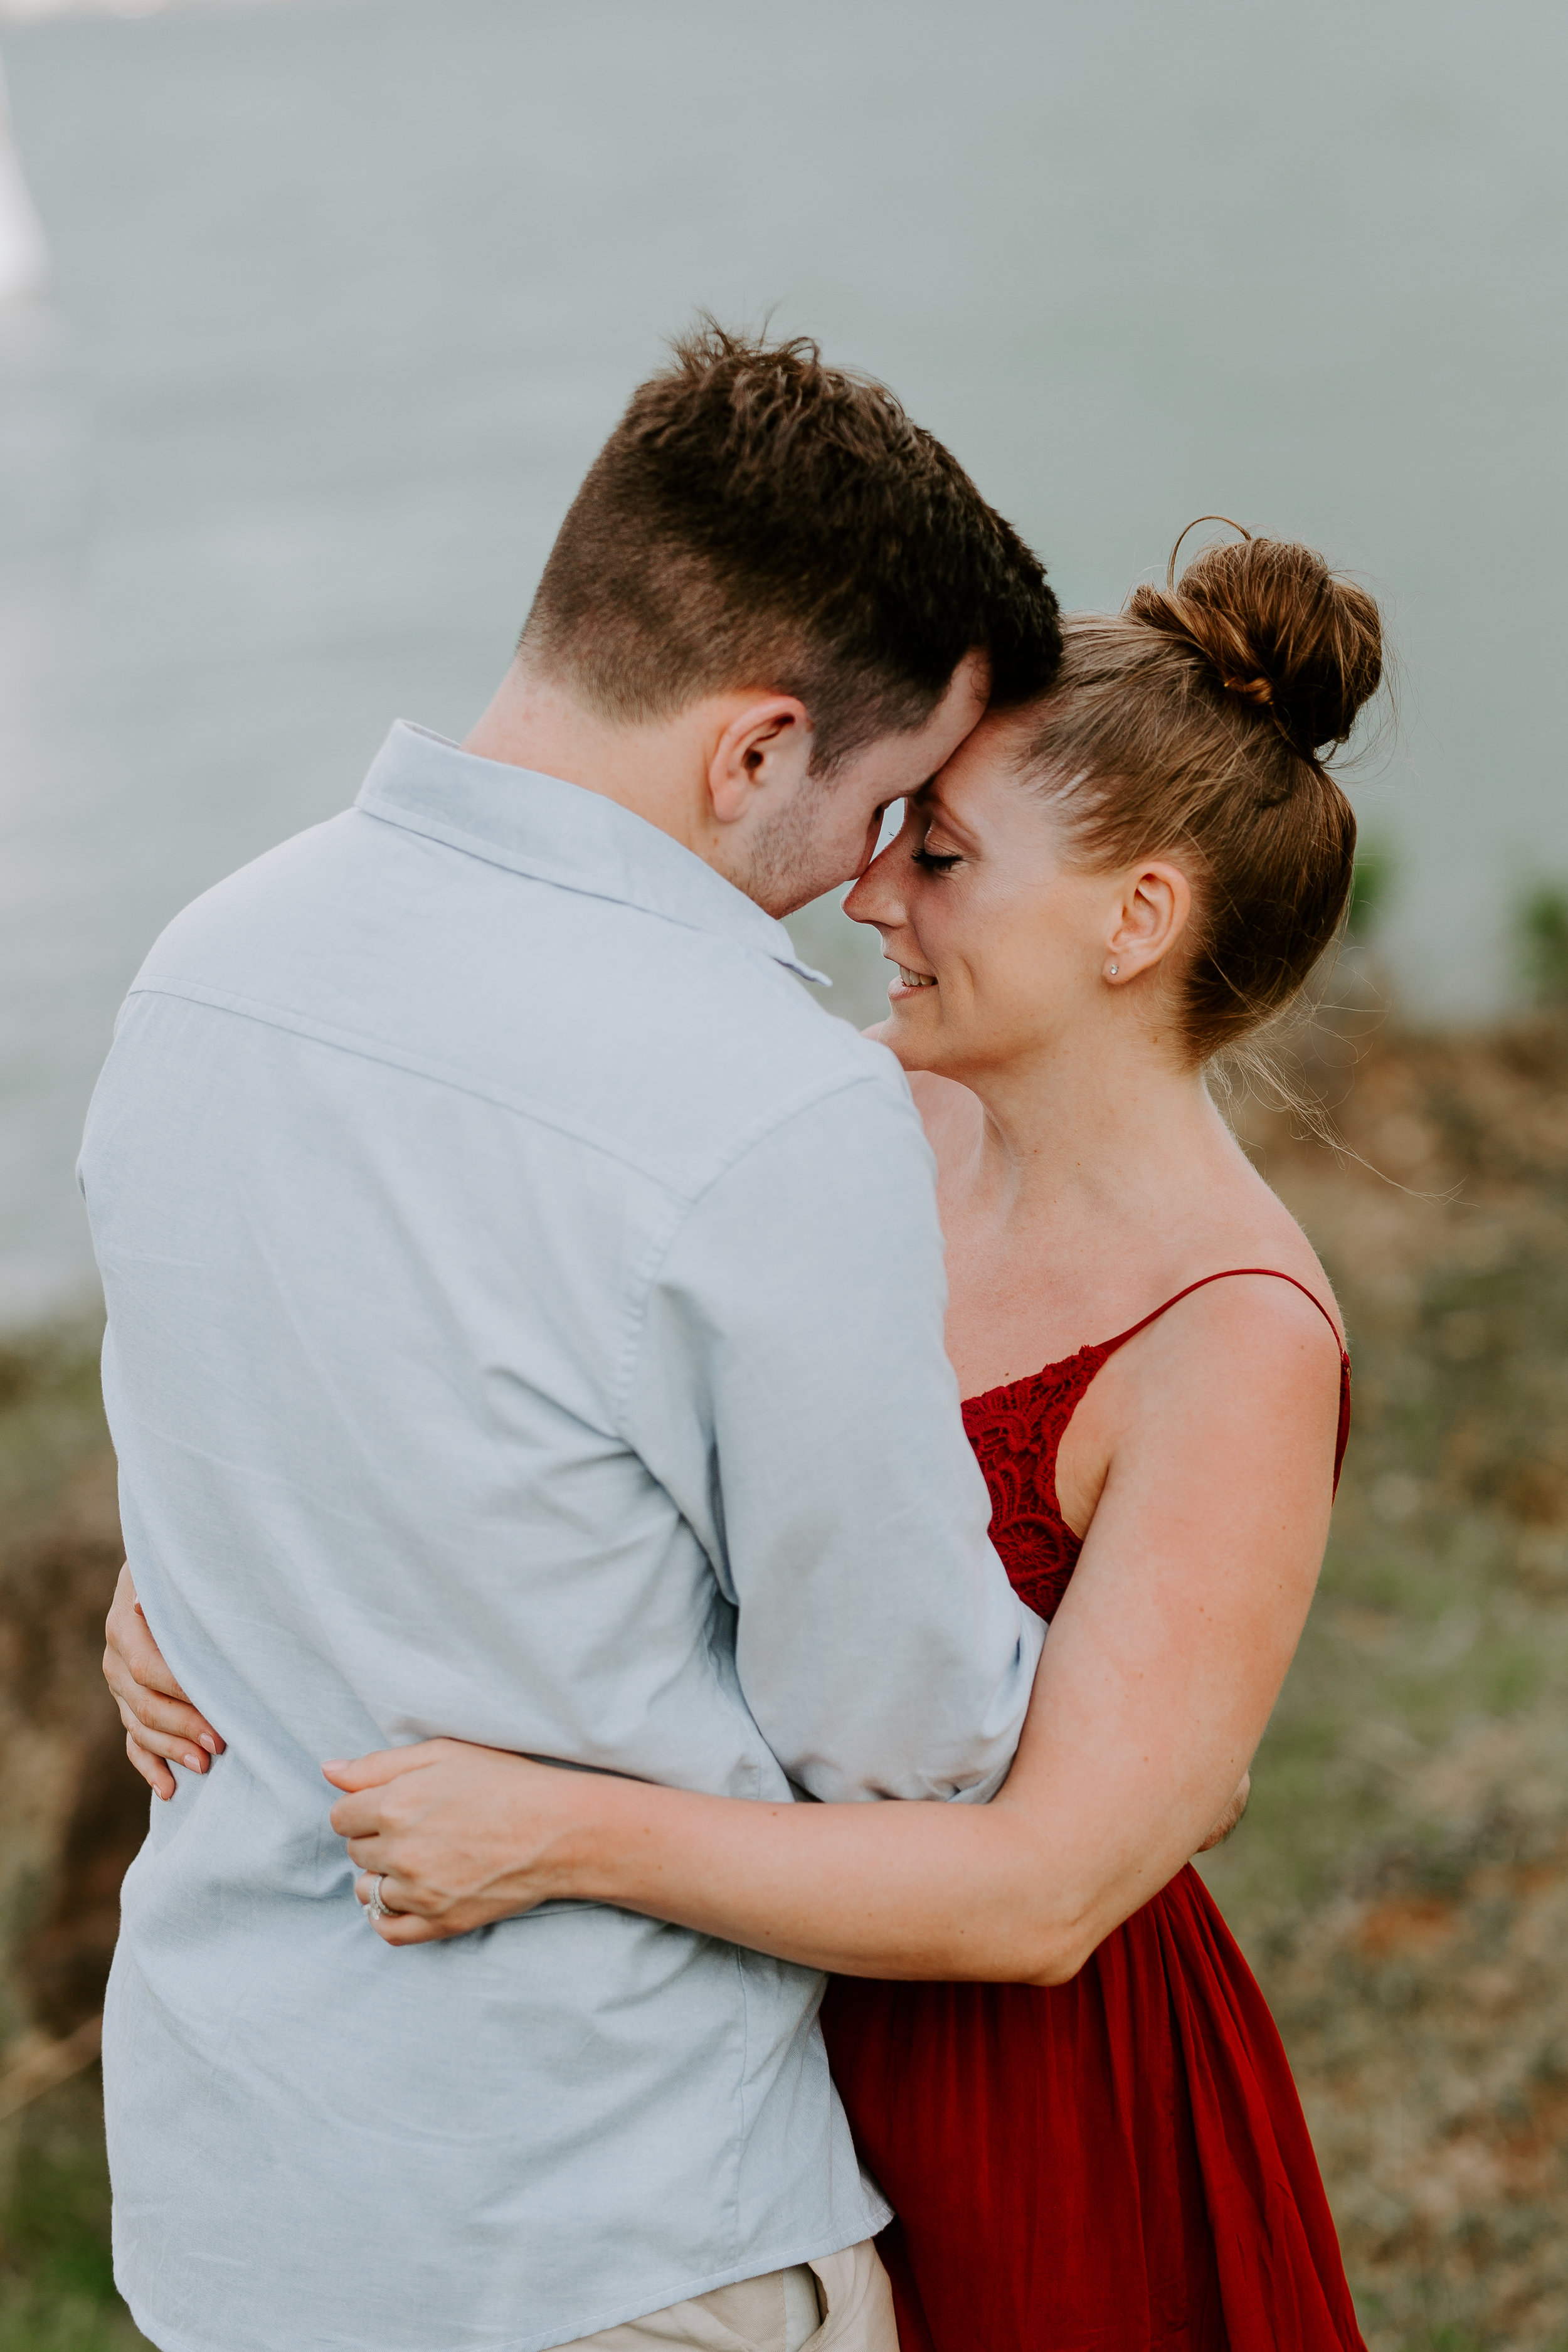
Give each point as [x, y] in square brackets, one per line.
[162, 1726]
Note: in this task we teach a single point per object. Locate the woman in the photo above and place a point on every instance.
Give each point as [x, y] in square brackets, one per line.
[1055, 2058]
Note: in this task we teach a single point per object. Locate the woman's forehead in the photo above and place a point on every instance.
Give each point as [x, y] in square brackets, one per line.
[982, 773]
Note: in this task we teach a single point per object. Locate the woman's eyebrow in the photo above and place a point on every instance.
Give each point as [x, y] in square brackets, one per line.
[935, 811]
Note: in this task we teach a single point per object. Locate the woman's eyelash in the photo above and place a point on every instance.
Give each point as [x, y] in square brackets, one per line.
[935, 862]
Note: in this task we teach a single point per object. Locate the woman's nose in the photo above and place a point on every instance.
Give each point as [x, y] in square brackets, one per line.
[877, 899]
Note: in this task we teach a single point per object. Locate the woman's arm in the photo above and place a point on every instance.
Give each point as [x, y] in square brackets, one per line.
[1158, 1678]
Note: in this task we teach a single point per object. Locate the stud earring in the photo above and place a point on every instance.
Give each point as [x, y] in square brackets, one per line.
[1114, 970]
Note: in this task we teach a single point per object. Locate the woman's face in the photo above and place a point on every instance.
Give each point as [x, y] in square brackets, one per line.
[1003, 948]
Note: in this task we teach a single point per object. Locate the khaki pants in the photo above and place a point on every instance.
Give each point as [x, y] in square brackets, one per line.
[759, 2315]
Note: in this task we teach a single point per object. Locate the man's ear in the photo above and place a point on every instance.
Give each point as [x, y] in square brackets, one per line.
[766, 746]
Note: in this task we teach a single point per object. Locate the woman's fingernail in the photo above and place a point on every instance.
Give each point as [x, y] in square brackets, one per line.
[192, 1763]
[209, 1743]
[334, 1764]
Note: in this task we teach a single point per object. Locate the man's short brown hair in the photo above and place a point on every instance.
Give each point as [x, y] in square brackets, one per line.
[758, 519]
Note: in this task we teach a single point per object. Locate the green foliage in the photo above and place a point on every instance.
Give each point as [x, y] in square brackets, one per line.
[57, 2223]
[41, 2319]
[57, 2282]
[1543, 942]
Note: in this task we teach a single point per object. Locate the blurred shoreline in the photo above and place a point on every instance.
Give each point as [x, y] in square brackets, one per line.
[1401, 1881]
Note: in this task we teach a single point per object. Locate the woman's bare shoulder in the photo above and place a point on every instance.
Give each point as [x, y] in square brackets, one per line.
[1244, 1360]
[1272, 1344]
[1248, 1317]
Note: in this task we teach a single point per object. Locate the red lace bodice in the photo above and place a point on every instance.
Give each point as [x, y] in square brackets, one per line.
[1016, 1433]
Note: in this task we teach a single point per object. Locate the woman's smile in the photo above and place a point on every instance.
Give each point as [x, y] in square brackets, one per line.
[908, 981]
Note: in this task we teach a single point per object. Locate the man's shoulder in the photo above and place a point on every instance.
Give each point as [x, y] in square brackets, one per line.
[670, 1040]
[260, 908]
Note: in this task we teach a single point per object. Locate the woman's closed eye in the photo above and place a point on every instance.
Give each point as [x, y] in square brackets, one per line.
[936, 861]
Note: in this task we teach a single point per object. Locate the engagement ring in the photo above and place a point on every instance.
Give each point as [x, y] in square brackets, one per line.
[376, 1907]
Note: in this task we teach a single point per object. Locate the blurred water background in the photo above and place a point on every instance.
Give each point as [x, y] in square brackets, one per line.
[346, 292]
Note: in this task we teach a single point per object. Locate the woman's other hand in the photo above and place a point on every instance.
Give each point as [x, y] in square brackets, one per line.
[160, 1721]
[460, 1835]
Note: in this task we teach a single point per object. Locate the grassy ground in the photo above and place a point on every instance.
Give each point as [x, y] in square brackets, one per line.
[56, 2291]
[1401, 1882]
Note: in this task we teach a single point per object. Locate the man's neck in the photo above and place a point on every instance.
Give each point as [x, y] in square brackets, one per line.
[656, 770]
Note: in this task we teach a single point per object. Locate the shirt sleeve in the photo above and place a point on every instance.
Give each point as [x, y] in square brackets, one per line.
[792, 1390]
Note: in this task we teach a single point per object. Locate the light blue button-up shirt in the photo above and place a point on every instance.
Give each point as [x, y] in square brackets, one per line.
[525, 1319]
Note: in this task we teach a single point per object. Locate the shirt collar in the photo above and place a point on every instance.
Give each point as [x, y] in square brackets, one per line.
[560, 833]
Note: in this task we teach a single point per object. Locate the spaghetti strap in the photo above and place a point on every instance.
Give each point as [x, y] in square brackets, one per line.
[1229, 1274]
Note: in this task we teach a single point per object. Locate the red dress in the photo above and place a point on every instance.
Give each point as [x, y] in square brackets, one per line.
[1118, 2164]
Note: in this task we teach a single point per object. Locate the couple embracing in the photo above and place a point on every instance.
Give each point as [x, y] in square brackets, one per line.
[539, 1337]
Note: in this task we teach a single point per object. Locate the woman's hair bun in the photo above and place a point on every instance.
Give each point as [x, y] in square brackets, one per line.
[1281, 630]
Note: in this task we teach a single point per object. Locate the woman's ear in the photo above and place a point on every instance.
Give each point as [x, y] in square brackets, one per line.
[1155, 907]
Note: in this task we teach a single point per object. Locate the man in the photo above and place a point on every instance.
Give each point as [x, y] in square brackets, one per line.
[525, 1323]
